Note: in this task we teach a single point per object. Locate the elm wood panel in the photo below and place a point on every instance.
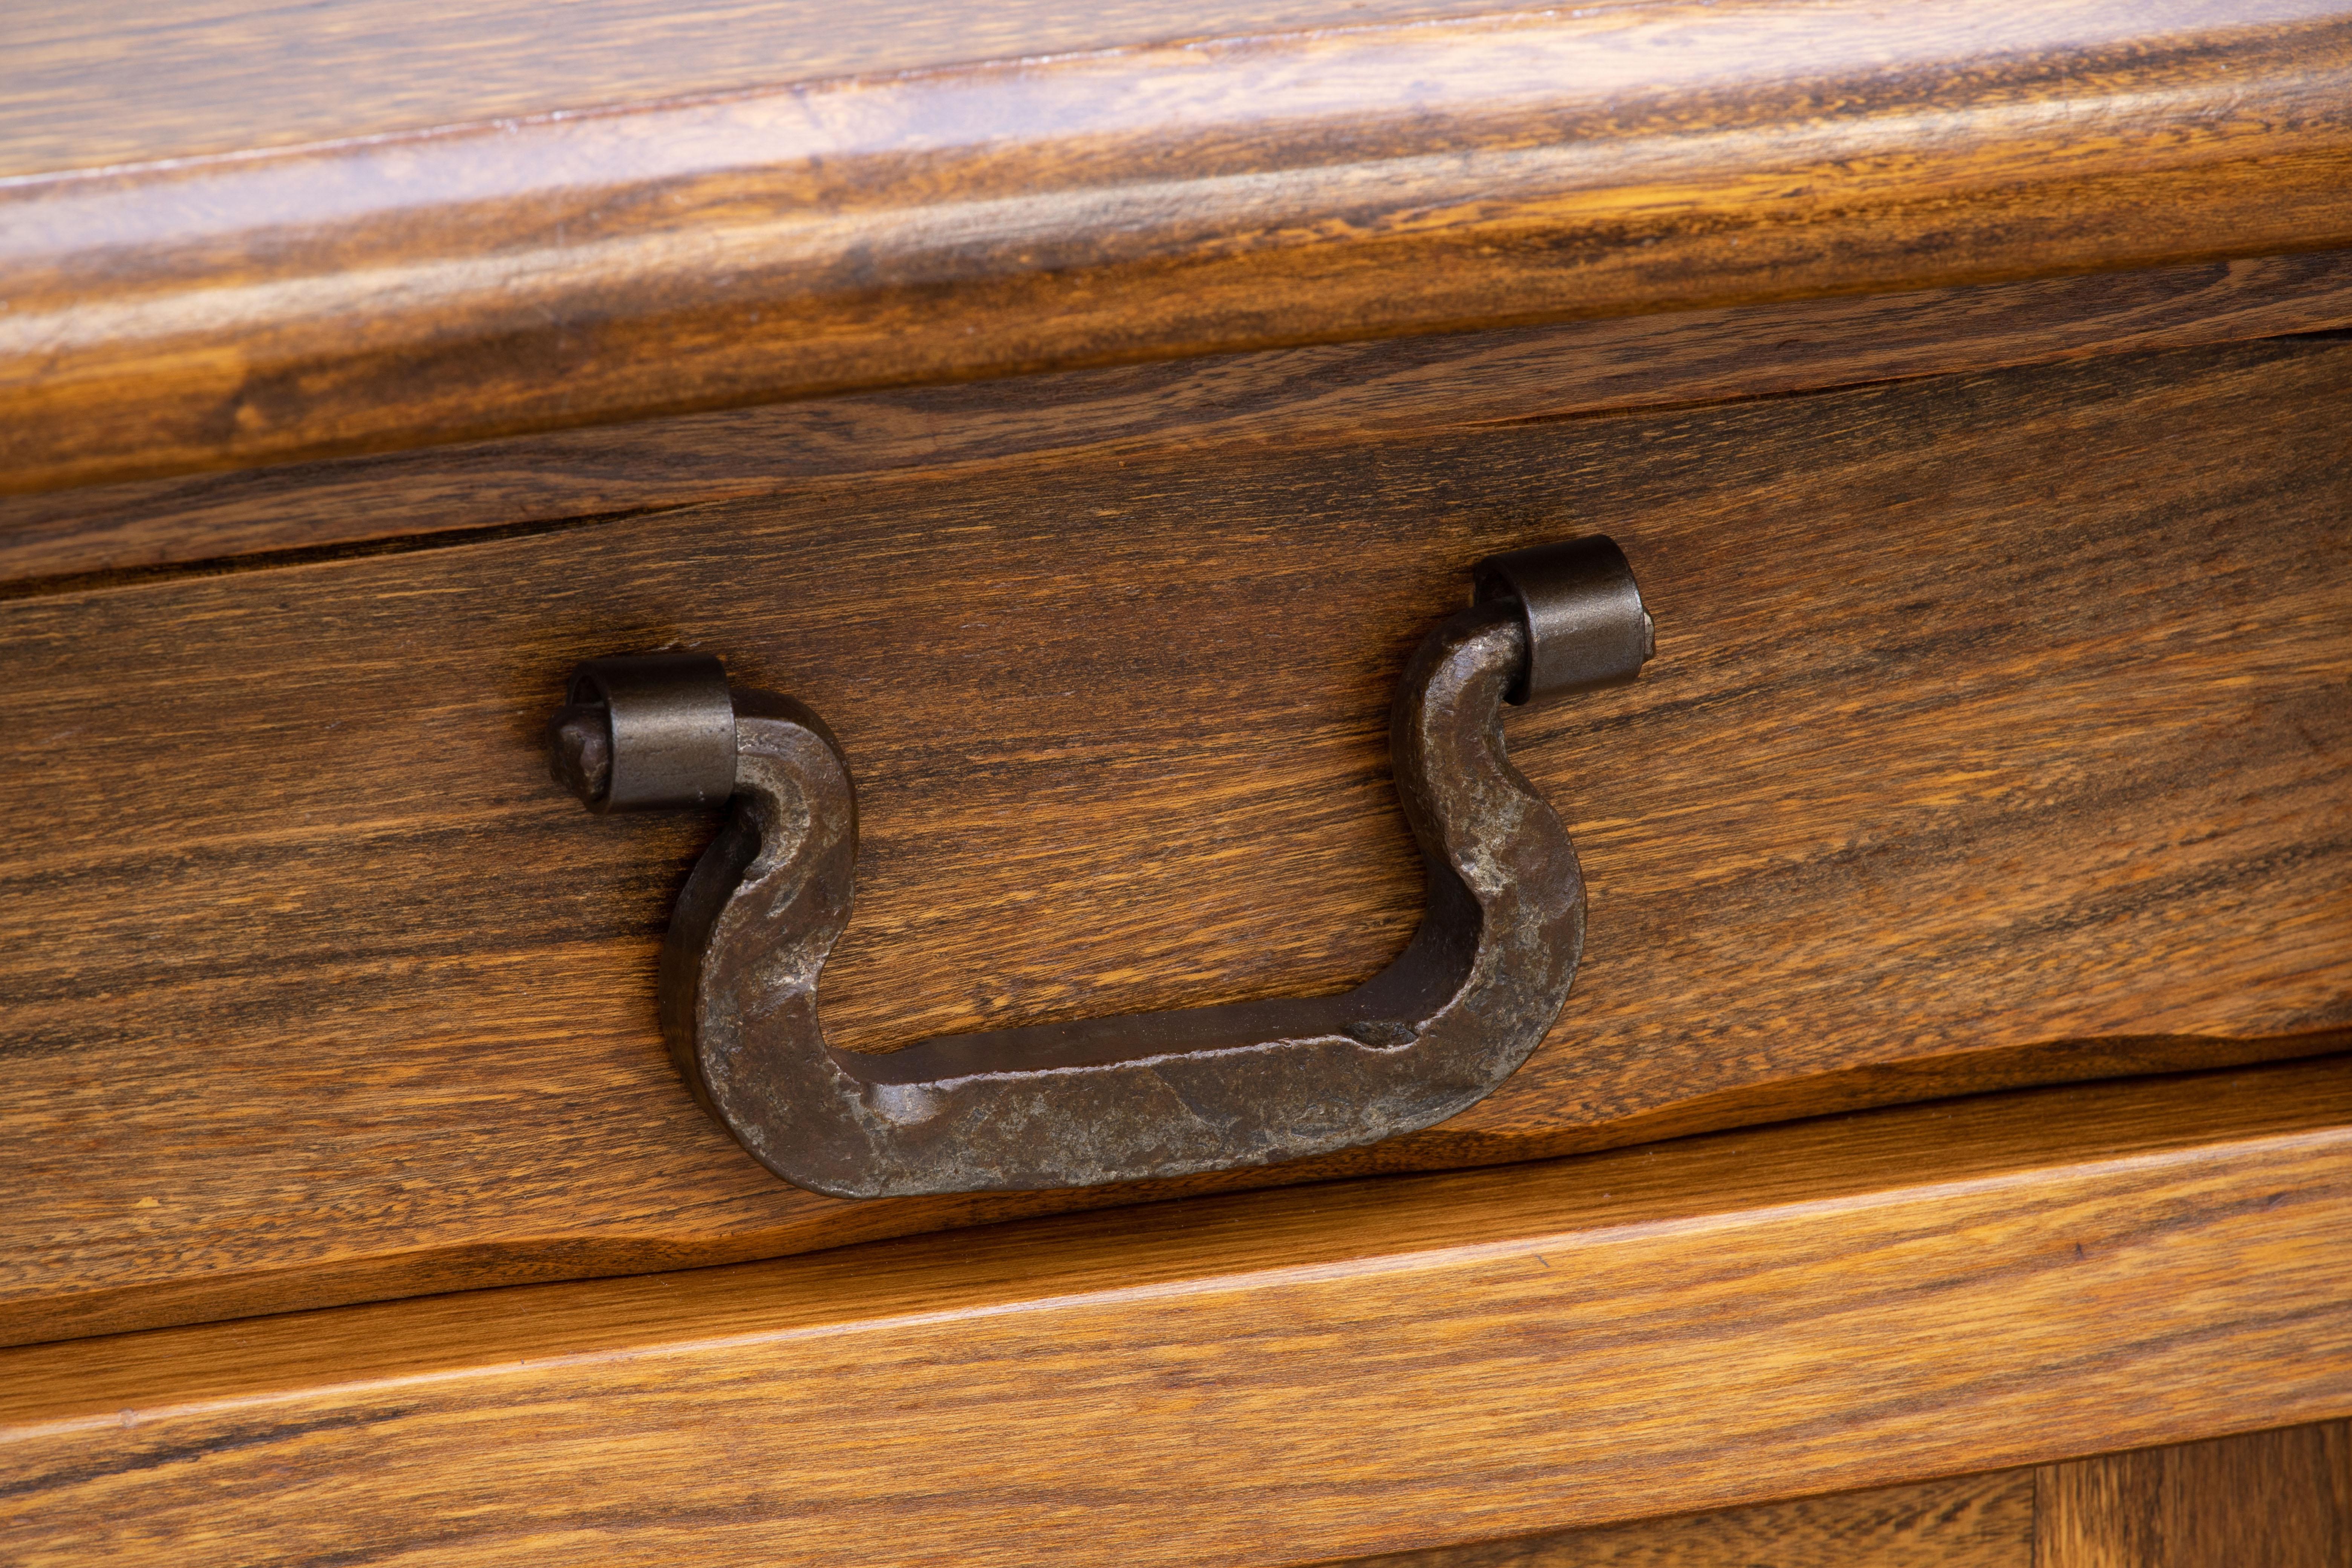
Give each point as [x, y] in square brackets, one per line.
[107, 81]
[1129, 205]
[1960, 1521]
[2281, 1500]
[1337, 393]
[1998, 735]
[1348, 1369]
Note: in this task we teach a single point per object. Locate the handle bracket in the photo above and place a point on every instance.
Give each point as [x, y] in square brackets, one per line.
[1119, 1099]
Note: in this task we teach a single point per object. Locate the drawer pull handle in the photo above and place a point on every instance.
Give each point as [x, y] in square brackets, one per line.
[1120, 1098]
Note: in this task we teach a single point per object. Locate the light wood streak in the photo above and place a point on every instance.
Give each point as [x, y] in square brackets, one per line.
[121, 81]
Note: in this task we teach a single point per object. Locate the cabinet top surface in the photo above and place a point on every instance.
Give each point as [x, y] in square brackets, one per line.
[112, 83]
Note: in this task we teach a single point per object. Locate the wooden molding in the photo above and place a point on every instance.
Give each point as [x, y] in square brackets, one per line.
[1356, 1368]
[1330, 394]
[1124, 206]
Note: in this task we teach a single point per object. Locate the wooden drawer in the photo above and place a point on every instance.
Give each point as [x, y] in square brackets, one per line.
[1997, 735]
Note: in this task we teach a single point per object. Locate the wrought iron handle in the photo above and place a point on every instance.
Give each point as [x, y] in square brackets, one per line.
[1113, 1099]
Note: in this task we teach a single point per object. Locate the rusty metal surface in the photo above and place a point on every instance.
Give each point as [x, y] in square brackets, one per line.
[1158, 1094]
[1587, 627]
[1120, 1098]
[650, 733]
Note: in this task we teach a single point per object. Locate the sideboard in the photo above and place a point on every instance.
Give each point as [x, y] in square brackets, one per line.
[1071, 421]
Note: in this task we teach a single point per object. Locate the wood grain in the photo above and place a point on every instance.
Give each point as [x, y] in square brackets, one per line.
[119, 81]
[1336, 393]
[1356, 1368]
[2282, 1498]
[2279, 1499]
[1998, 735]
[1961, 1521]
[1120, 207]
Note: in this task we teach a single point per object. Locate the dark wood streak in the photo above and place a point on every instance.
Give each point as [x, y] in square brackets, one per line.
[229, 1439]
[1123, 207]
[1332, 394]
[1997, 734]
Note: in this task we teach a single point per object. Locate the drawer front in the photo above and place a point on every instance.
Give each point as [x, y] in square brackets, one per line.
[1997, 734]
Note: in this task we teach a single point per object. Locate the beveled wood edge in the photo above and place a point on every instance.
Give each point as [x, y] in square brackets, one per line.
[381, 293]
[1338, 394]
[1144, 1253]
[331, 1283]
[2073, 1272]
